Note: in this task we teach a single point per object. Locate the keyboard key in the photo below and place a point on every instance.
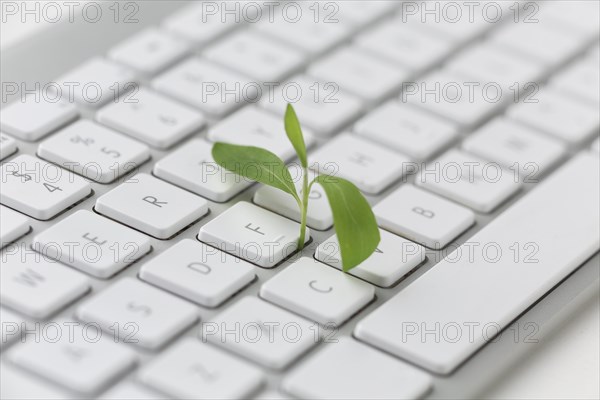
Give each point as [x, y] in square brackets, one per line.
[516, 147]
[40, 189]
[369, 166]
[20, 384]
[266, 334]
[254, 234]
[148, 51]
[403, 44]
[305, 32]
[13, 226]
[193, 168]
[319, 214]
[193, 370]
[560, 241]
[580, 80]
[11, 326]
[546, 42]
[252, 126]
[8, 146]
[471, 181]
[407, 129]
[92, 244]
[460, 29]
[353, 70]
[38, 287]
[199, 23]
[96, 82]
[317, 292]
[559, 116]
[152, 118]
[198, 272]
[321, 106]
[75, 361]
[394, 258]
[35, 117]
[350, 370]
[207, 86]
[131, 391]
[423, 217]
[152, 206]
[491, 64]
[145, 315]
[256, 56]
[96, 152]
[453, 96]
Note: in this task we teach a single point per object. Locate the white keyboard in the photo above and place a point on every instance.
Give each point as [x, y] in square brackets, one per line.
[181, 280]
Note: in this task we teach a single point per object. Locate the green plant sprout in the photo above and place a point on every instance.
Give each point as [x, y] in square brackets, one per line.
[353, 219]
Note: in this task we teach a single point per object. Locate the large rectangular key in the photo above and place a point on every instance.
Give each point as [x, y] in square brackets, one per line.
[556, 229]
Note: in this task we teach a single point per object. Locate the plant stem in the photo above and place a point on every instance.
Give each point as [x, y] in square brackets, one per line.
[303, 208]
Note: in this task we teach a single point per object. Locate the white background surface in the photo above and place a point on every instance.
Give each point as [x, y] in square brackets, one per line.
[566, 365]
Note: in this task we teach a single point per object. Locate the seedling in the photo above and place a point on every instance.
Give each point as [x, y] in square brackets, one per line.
[353, 219]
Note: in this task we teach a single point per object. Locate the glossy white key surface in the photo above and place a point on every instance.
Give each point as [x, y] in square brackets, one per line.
[254, 234]
[256, 56]
[403, 44]
[11, 326]
[13, 225]
[253, 126]
[546, 42]
[515, 146]
[198, 272]
[148, 51]
[36, 286]
[39, 189]
[368, 165]
[81, 359]
[321, 106]
[194, 370]
[407, 129]
[558, 115]
[394, 258]
[457, 97]
[422, 217]
[35, 116]
[131, 391]
[211, 88]
[368, 77]
[581, 80]
[193, 168]
[265, 333]
[8, 146]
[319, 214]
[318, 292]
[494, 65]
[477, 183]
[96, 82]
[350, 370]
[574, 17]
[92, 243]
[152, 206]
[152, 118]
[146, 316]
[553, 243]
[96, 152]
[302, 30]
[199, 23]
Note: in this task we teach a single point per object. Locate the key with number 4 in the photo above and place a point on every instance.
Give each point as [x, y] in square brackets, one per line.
[40, 189]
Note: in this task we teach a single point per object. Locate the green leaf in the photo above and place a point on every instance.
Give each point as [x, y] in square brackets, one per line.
[354, 221]
[294, 133]
[256, 164]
